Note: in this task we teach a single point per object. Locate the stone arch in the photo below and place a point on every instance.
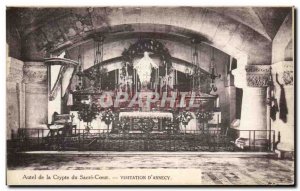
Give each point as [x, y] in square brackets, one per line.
[283, 40]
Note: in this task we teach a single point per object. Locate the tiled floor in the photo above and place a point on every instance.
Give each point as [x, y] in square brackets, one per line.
[215, 170]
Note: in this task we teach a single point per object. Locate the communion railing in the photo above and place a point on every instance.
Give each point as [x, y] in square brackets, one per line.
[122, 140]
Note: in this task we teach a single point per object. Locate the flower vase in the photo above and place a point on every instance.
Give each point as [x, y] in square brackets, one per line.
[184, 126]
[108, 128]
[205, 126]
[88, 127]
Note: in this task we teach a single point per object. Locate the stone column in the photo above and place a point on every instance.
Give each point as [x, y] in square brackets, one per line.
[254, 107]
[284, 77]
[35, 79]
[15, 96]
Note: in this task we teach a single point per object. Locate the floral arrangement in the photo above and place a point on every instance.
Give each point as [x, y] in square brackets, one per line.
[184, 117]
[204, 116]
[108, 116]
[86, 113]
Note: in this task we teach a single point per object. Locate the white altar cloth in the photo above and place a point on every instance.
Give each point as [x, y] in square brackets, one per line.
[138, 114]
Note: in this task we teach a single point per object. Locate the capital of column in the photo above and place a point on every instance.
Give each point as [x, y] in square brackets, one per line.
[285, 72]
[258, 75]
[35, 72]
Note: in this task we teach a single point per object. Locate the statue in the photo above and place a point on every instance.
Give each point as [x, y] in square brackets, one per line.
[144, 69]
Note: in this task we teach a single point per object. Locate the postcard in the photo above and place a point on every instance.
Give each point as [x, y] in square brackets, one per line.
[140, 95]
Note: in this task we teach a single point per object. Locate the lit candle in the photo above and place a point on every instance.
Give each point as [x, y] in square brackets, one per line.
[218, 102]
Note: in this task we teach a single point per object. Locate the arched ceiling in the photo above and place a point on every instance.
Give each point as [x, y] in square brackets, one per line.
[264, 20]
[235, 30]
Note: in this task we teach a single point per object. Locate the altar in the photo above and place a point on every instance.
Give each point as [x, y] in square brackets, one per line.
[146, 121]
[143, 93]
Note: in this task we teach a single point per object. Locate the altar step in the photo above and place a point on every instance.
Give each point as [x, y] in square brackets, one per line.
[146, 144]
[157, 154]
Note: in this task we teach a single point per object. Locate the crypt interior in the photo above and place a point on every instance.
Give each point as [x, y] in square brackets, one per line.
[69, 71]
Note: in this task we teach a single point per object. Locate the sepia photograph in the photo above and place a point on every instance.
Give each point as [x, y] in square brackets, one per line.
[150, 95]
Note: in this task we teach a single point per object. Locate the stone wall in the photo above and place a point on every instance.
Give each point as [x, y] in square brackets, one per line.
[15, 97]
[283, 75]
[13, 37]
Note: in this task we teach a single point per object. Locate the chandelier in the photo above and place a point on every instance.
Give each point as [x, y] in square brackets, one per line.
[197, 70]
[95, 73]
[79, 71]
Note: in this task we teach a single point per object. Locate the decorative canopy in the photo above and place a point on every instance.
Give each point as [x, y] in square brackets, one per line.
[148, 45]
